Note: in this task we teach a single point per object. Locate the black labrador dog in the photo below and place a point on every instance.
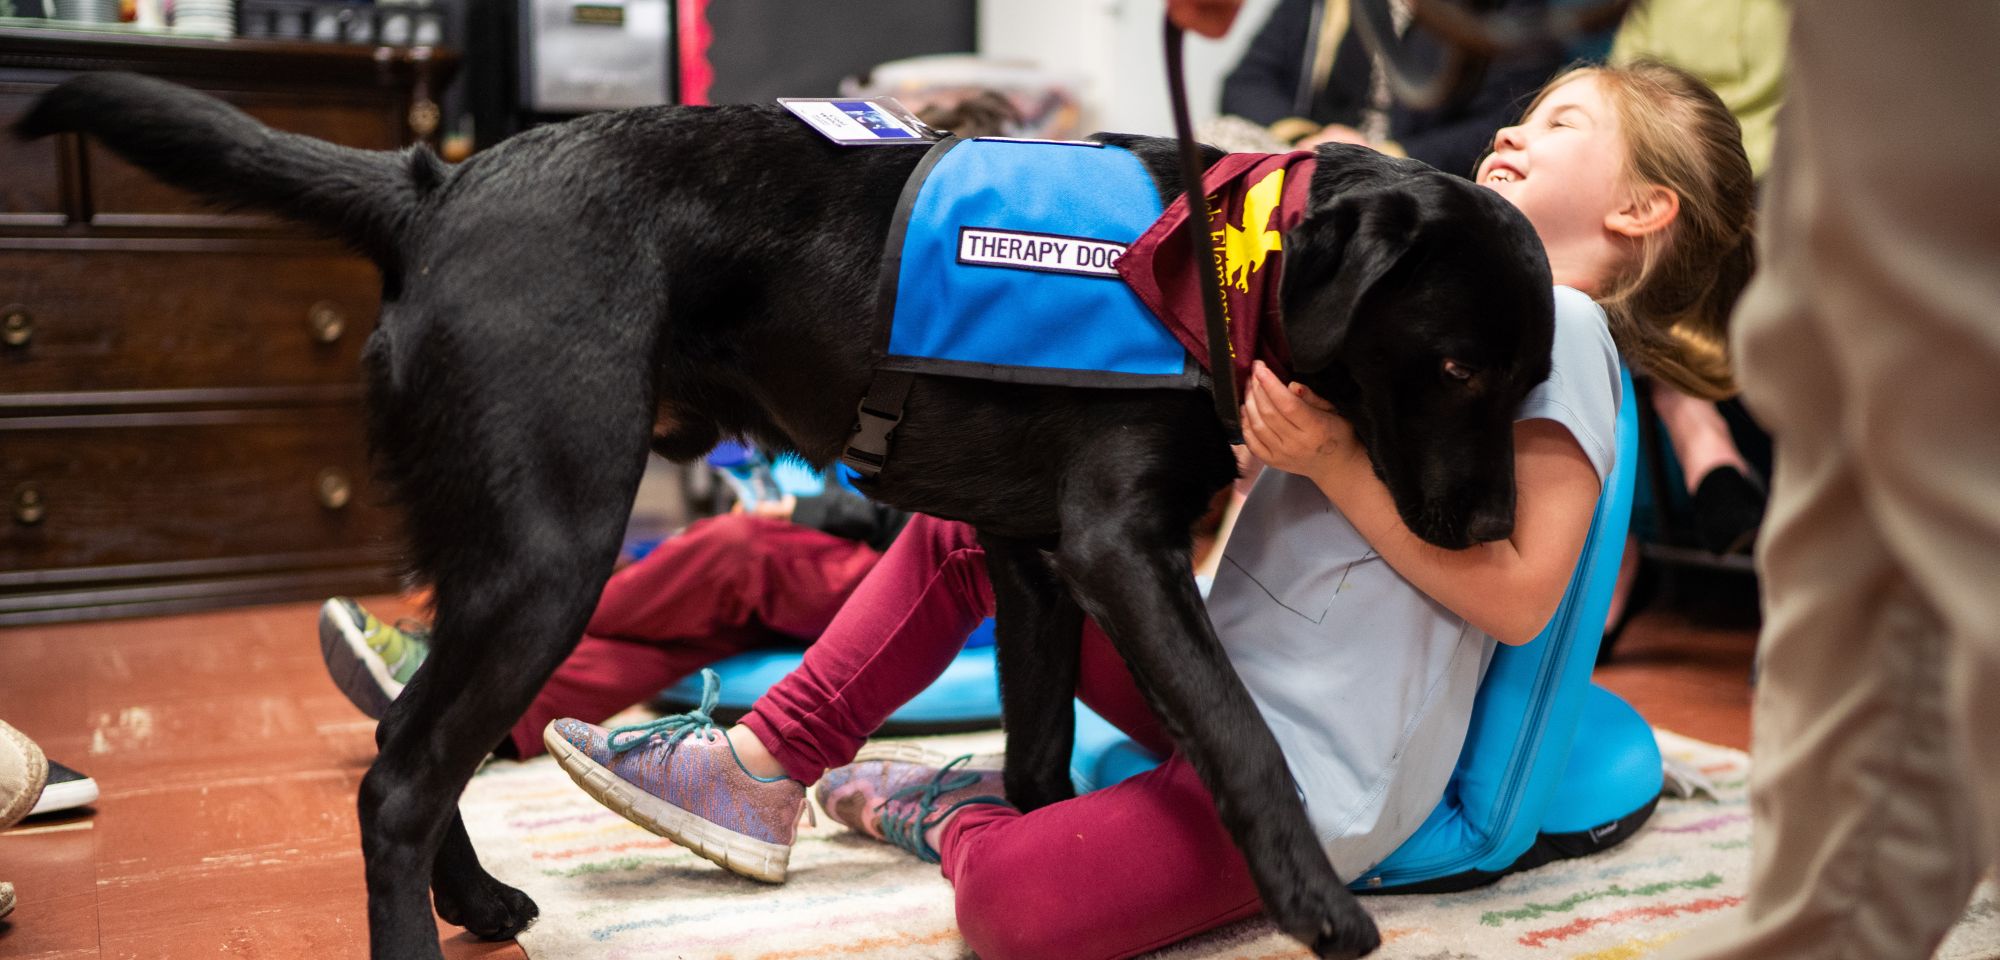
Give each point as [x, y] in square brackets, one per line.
[665, 277]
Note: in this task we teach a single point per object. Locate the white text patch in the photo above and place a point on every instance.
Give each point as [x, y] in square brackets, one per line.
[1038, 251]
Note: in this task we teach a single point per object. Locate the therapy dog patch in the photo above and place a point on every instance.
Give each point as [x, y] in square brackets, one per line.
[1003, 265]
[1034, 251]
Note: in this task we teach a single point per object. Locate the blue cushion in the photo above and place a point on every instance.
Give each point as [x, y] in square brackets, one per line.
[1614, 770]
[966, 697]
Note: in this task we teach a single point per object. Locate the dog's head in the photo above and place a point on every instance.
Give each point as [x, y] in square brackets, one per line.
[1421, 305]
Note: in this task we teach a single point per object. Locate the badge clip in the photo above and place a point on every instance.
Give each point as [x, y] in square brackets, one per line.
[862, 121]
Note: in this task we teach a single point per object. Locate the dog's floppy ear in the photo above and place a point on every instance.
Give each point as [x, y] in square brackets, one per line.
[1335, 257]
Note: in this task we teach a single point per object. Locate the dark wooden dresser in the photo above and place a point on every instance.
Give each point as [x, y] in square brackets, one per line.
[180, 390]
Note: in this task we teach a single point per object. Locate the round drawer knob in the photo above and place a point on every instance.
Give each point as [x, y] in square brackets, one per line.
[424, 117]
[29, 507]
[326, 320]
[17, 326]
[335, 488]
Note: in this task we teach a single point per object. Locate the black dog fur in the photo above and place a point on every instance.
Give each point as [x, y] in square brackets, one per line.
[693, 273]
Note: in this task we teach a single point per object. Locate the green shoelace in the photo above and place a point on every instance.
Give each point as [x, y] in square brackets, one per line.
[904, 826]
[675, 727]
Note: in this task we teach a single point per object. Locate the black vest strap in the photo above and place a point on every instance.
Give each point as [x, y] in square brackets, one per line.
[875, 419]
[881, 408]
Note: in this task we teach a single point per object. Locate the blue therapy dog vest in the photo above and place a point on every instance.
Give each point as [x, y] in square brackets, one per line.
[1003, 267]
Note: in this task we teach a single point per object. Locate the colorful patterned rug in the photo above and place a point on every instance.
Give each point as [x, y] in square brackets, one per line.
[611, 891]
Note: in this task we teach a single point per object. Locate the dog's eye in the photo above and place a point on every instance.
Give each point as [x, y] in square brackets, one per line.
[1458, 371]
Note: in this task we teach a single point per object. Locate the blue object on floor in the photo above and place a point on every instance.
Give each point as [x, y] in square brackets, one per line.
[966, 697]
[1553, 766]
[1103, 754]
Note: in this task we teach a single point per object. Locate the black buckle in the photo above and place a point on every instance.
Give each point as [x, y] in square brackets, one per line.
[868, 448]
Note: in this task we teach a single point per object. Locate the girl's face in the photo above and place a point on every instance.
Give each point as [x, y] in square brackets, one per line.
[1562, 166]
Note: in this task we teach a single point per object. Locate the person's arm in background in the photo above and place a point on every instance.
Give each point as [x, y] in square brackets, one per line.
[1264, 86]
[845, 514]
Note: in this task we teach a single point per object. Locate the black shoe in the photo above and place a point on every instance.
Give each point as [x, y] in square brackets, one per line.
[67, 790]
[1728, 507]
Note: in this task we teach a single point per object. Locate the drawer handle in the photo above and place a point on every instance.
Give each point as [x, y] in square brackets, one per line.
[29, 507]
[326, 320]
[17, 327]
[335, 488]
[424, 117]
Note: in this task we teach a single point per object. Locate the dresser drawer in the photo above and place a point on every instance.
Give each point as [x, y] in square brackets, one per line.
[31, 189]
[115, 320]
[105, 491]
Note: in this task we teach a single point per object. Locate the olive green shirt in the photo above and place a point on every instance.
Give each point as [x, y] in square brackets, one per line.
[1737, 47]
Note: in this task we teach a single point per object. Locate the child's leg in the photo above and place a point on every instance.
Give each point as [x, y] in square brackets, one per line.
[897, 633]
[726, 585]
[1120, 871]
[736, 799]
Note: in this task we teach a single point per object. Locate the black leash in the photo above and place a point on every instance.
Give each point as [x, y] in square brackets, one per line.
[1221, 365]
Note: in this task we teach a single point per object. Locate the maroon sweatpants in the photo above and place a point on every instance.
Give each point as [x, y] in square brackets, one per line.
[1116, 872]
[725, 585]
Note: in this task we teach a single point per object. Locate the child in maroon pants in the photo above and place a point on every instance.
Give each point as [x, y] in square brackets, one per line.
[725, 585]
[882, 649]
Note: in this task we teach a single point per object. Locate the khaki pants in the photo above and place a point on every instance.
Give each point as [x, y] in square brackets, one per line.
[1870, 346]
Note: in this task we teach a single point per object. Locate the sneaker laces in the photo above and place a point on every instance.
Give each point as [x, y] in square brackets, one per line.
[910, 811]
[675, 727]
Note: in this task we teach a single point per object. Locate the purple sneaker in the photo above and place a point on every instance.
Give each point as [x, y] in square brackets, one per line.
[679, 777]
[895, 792]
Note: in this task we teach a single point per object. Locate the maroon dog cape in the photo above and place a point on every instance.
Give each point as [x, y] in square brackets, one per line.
[1253, 199]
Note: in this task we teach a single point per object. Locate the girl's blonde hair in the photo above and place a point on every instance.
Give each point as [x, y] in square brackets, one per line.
[1669, 310]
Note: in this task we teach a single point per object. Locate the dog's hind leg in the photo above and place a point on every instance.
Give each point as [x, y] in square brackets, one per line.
[1125, 555]
[1038, 631]
[502, 628]
[466, 895]
[516, 505]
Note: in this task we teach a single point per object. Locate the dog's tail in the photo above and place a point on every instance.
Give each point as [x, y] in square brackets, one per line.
[365, 198]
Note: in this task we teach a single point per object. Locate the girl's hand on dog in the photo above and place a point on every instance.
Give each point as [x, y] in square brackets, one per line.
[1294, 429]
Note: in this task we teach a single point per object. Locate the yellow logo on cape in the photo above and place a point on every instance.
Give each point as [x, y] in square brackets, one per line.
[1245, 248]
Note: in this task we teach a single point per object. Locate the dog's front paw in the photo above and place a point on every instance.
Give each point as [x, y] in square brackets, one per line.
[490, 911]
[1330, 921]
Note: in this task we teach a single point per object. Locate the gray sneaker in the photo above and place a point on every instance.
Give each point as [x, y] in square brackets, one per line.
[369, 660]
[679, 777]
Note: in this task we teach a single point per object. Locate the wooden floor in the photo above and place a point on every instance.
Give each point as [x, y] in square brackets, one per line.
[229, 764]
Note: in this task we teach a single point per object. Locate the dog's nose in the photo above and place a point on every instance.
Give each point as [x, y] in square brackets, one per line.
[1487, 527]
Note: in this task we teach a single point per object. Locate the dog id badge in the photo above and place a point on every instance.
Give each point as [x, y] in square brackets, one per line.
[857, 122]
